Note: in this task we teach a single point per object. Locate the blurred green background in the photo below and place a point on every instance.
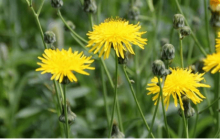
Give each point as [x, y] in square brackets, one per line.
[28, 106]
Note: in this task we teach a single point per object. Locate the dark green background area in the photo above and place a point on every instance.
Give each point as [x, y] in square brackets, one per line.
[28, 107]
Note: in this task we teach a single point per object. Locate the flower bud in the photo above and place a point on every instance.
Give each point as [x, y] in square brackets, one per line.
[188, 110]
[70, 24]
[70, 115]
[158, 68]
[133, 13]
[49, 37]
[90, 6]
[185, 31]
[193, 68]
[164, 41]
[178, 21]
[116, 132]
[168, 52]
[56, 3]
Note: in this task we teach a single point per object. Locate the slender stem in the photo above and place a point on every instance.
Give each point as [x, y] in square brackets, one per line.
[217, 134]
[150, 4]
[57, 95]
[154, 116]
[208, 102]
[65, 111]
[61, 90]
[207, 25]
[79, 42]
[164, 114]
[41, 5]
[105, 97]
[192, 33]
[195, 125]
[64, 21]
[209, 105]
[91, 20]
[181, 51]
[115, 95]
[135, 98]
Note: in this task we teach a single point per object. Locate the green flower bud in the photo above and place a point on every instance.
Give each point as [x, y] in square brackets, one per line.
[56, 3]
[116, 132]
[133, 13]
[178, 21]
[193, 68]
[168, 52]
[90, 6]
[70, 24]
[185, 31]
[164, 41]
[49, 37]
[158, 68]
[70, 115]
[188, 110]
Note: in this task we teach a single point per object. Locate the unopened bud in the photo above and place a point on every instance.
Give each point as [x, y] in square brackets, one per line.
[158, 68]
[49, 37]
[56, 3]
[178, 21]
[70, 24]
[90, 6]
[133, 13]
[116, 132]
[168, 52]
[70, 115]
[188, 110]
[185, 31]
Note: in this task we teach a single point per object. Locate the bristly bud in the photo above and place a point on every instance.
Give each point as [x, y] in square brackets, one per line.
[49, 37]
[56, 3]
[164, 41]
[70, 24]
[116, 132]
[90, 6]
[185, 31]
[188, 110]
[133, 13]
[70, 115]
[125, 60]
[168, 52]
[178, 21]
[159, 69]
[193, 68]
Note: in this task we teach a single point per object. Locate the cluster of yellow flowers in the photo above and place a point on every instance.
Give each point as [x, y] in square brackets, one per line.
[120, 35]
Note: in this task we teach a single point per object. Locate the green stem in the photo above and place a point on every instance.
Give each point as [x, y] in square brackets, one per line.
[115, 95]
[41, 5]
[192, 33]
[207, 25]
[208, 102]
[154, 116]
[135, 98]
[57, 95]
[195, 125]
[150, 4]
[91, 20]
[61, 90]
[164, 114]
[79, 42]
[181, 51]
[209, 105]
[217, 134]
[38, 23]
[64, 21]
[105, 96]
[65, 111]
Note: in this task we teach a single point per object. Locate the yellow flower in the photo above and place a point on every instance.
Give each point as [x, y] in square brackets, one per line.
[117, 34]
[179, 82]
[217, 46]
[212, 62]
[215, 5]
[63, 63]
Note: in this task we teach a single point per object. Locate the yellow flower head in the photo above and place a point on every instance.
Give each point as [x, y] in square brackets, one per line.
[215, 5]
[63, 63]
[217, 46]
[212, 62]
[117, 34]
[179, 82]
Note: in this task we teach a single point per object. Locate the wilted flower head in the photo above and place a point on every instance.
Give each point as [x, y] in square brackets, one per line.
[180, 82]
[117, 34]
[63, 63]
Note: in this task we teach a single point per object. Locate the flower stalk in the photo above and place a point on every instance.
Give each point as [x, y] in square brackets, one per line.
[65, 112]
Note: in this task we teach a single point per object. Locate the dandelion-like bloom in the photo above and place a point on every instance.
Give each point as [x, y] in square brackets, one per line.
[179, 82]
[215, 5]
[63, 63]
[117, 34]
[217, 46]
[212, 62]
